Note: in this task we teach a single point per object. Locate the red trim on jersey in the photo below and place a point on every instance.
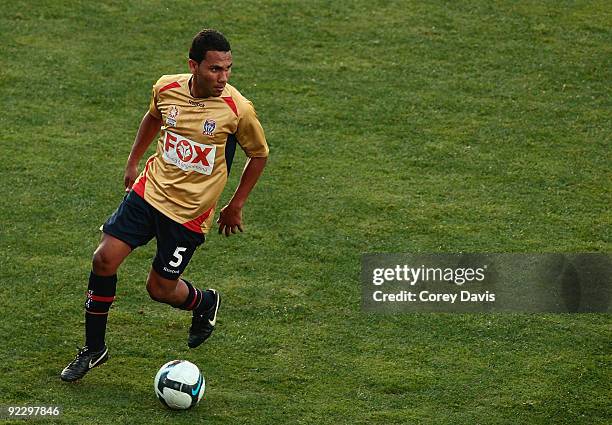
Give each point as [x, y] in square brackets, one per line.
[169, 86]
[101, 299]
[139, 186]
[195, 224]
[231, 104]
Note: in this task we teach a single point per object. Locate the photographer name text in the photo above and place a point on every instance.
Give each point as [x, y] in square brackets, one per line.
[413, 276]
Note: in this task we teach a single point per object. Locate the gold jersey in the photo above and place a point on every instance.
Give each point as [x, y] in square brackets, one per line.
[186, 176]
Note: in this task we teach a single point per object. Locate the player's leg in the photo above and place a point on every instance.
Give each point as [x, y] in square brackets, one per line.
[101, 288]
[181, 294]
[178, 293]
[175, 246]
[100, 295]
[129, 226]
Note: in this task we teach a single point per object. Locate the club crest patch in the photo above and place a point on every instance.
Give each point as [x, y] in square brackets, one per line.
[209, 127]
[172, 116]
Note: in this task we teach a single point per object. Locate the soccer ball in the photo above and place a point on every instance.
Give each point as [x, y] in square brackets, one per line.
[179, 384]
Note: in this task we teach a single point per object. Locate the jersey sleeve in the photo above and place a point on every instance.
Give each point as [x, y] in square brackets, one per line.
[153, 103]
[250, 133]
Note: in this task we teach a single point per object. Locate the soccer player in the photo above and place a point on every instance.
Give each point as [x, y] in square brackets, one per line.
[201, 118]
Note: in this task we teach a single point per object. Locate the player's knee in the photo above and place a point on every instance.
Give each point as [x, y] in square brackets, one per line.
[153, 291]
[156, 290]
[103, 263]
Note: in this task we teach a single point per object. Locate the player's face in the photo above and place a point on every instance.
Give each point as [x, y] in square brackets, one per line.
[211, 75]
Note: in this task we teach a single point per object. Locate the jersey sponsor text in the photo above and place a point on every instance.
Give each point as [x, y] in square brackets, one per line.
[187, 154]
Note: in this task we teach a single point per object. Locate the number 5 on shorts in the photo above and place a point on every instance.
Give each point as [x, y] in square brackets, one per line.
[178, 256]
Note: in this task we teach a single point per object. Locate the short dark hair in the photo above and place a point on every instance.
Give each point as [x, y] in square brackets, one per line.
[205, 40]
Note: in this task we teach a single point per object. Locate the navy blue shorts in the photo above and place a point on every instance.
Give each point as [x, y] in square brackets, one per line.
[136, 222]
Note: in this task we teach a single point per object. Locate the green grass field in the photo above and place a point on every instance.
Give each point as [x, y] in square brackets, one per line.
[394, 126]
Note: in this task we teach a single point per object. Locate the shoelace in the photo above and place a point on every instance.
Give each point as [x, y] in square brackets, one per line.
[78, 356]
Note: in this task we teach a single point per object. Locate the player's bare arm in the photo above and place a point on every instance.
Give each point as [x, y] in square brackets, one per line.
[230, 218]
[148, 129]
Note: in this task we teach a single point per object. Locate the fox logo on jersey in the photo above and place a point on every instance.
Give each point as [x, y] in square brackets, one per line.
[189, 155]
[209, 127]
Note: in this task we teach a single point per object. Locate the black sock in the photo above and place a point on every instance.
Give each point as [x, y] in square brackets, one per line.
[196, 298]
[100, 296]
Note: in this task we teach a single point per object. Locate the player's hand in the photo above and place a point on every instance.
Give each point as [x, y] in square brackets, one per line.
[230, 220]
[131, 172]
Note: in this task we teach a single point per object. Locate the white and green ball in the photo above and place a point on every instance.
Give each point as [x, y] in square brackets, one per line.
[179, 385]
